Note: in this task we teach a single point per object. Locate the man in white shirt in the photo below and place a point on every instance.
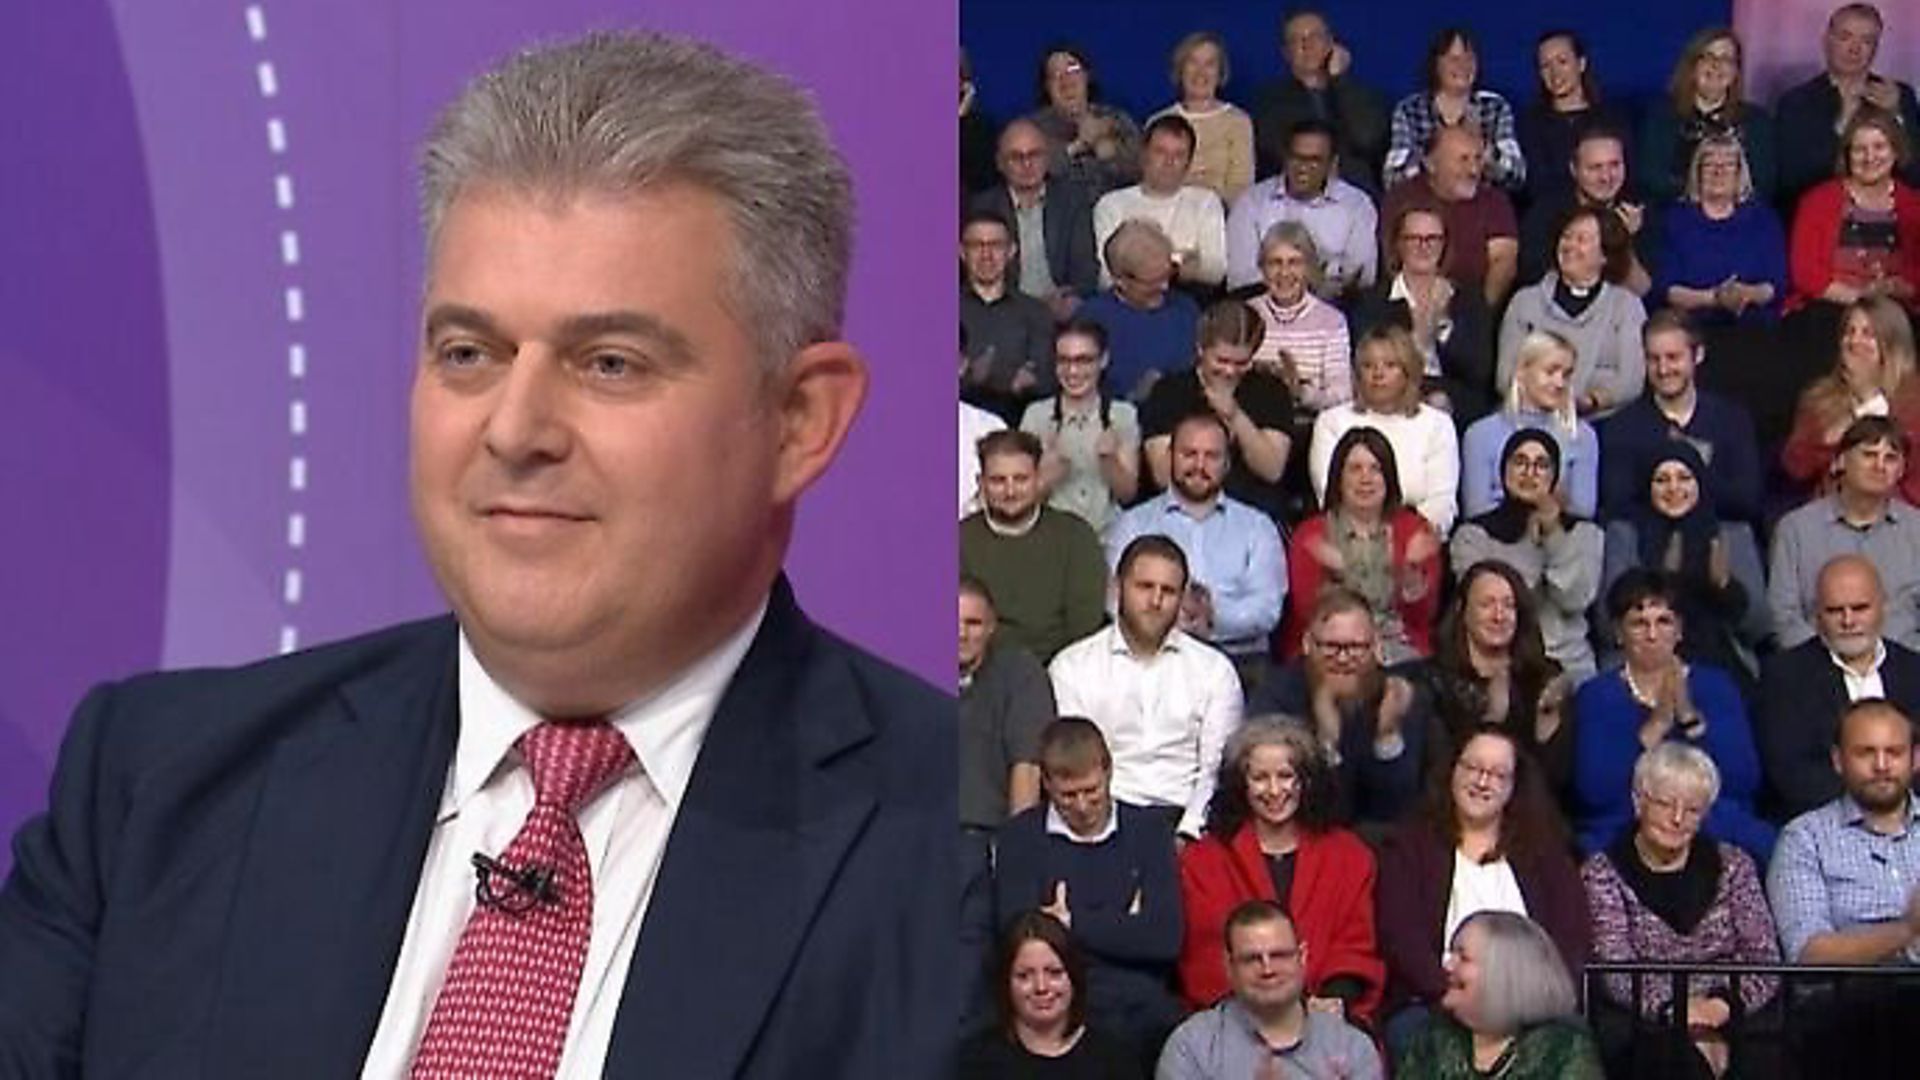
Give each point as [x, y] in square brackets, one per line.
[510, 843]
[1340, 216]
[1165, 701]
[1192, 217]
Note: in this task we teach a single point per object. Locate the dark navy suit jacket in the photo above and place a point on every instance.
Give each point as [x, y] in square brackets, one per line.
[222, 883]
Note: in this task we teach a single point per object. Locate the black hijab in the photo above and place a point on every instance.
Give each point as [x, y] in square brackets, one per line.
[1507, 522]
[1696, 528]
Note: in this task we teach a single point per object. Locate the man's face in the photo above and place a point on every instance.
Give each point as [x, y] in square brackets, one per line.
[1308, 45]
[1671, 360]
[1010, 487]
[1850, 44]
[1082, 798]
[977, 624]
[1875, 759]
[1309, 163]
[596, 450]
[1872, 469]
[1850, 611]
[1454, 165]
[1199, 461]
[985, 248]
[1343, 651]
[1150, 593]
[1023, 156]
[1266, 965]
[1164, 161]
[1599, 169]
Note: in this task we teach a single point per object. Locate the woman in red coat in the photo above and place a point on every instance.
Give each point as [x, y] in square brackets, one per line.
[1269, 836]
[1874, 375]
[1859, 233]
[1371, 543]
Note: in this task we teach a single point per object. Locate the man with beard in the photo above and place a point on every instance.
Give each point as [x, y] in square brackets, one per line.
[1239, 566]
[1254, 406]
[1599, 169]
[1844, 886]
[1863, 517]
[1483, 245]
[1164, 700]
[1805, 689]
[1339, 215]
[1372, 723]
[1042, 565]
[1265, 1021]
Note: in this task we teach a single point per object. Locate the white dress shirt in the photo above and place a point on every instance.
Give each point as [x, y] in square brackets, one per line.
[487, 798]
[1166, 719]
[1862, 687]
[1192, 218]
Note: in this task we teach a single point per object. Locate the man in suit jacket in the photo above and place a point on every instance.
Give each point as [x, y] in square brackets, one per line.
[1803, 690]
[1064, 218]
[269, 871]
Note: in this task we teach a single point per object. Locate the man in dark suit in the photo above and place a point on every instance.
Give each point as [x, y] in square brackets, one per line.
[690, 811]
[1804, 689]
[1061, 268]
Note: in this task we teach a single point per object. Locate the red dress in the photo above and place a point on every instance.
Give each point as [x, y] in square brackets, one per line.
[1331, 905]
[1306, 577]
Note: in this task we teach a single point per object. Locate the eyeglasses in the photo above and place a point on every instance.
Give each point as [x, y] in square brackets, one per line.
[1275, 957]
[1352, 649]
[1077, 360]
[1530, 464]
[1673, 808]
[1424, 239]
[1484, 772]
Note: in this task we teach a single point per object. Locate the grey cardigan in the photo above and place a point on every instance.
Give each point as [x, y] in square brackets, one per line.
[1605, 337]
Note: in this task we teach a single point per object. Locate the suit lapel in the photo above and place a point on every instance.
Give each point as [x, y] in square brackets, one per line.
[774, 803]
[345, 813]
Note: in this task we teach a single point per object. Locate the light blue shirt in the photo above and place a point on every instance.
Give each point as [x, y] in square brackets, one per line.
[1480, 486]
[1831, 872]
[1232, 549]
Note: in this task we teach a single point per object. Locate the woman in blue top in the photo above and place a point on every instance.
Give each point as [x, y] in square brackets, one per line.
[1723, 252]
[1651, 698]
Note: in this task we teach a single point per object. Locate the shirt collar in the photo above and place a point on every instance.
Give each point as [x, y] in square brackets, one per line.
[1840, 512]
[1117, 641]
[1852, 813]
[1215, 507]
[664, 728]
[1057, 825]
[1879, 657]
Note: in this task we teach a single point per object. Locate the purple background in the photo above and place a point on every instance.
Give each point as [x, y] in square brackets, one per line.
[147, 400]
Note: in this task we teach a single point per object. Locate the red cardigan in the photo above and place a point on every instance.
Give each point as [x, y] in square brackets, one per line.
[1306, 577]
[1808, 456]
[1816, 233]
[1332, 907]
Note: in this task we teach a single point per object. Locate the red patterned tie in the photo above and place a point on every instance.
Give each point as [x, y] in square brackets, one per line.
[508, 995]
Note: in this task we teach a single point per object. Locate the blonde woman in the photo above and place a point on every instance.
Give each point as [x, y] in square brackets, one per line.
[1387, 380]
[1223, 133]
[1873, 376]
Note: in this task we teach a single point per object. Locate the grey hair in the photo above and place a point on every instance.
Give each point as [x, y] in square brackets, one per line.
[1718, 144]
[618, 113]
[1523, 980]
[1295, 235]
[1676, 764]
[1134, 241]
[1271, 729]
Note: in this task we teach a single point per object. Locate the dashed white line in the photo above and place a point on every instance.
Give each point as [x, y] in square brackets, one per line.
[283, 191]
[297, 361]
[297, 417]
[297, 474]
[256, 23]
[290, 247]
[289, 640]
[291, 588]
[296, 304]
[269, 82]
[276, 135]
[296, 529]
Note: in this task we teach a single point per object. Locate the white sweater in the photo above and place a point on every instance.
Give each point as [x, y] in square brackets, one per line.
[1193, 218]
[1426, 451]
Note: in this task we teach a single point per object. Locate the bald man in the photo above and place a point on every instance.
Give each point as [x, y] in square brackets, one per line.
[1805, 689]
[1053, 223]
[1483, 236]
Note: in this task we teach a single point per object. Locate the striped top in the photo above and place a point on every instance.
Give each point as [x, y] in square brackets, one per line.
[1314, 334]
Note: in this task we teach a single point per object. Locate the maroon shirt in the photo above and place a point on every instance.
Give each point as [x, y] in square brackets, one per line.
[1470, 224]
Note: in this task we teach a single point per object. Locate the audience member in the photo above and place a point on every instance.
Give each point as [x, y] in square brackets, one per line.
[1713, 564]
[1040, 983]
[1653, 698]
[1337, 214]
[975, 424]
[1723, 255]
[1568, 107]
[1806, 688]
[1483, 242]
[1812, 114]
[1239, 572]
[1374, 726]
[1489, 839]
[1873, 376]
[976, 136]
[1705, 97]
[1149, 326]
[1316, 85]
[1371, 542]
[1090, 461]
[1387, 399]
[1093, 144]
[1863, 516]
[1005, 701]
[1448, 99]
[1010, 334]
[1676, 409]
[1107, 871]
[1266, 1023]
[1053, 222]
[1270, 836]
[1222, 132]
[1306, 341]
[1253, 405]
[1165, 700]
[1581, 301]
[1558, 554]
[1510, 1010]
[1451, 329]
[1658, 896]
[1191, 216]
[1597, 168]
[1043, 566]
[1858, 234]
[1538, 397]
[1490, 671]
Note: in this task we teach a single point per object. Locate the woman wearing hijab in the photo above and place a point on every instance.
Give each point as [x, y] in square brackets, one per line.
[1555, 553]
